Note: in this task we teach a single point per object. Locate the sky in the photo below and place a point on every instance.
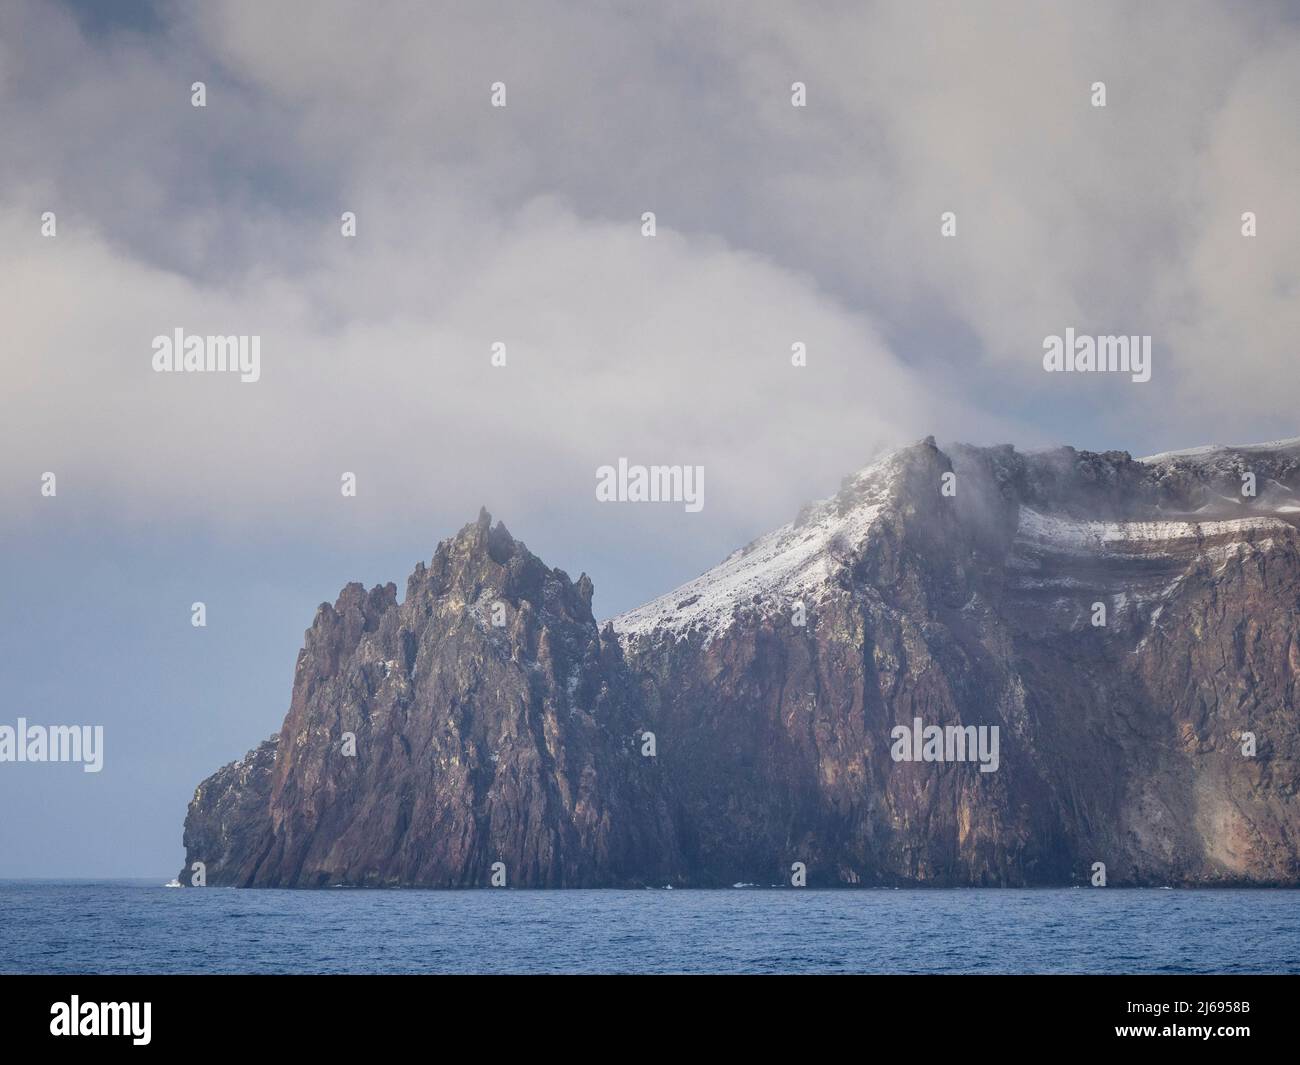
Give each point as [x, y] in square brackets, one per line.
[522, 225]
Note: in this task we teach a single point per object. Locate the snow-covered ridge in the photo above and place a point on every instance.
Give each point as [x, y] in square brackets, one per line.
[1069, 534]
[1215, 449]
[793, 563]
[800, 561]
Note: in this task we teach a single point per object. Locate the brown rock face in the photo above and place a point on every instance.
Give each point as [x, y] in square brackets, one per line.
[776, 737]
[475, 743]
[1120, 732]
[1105, 641]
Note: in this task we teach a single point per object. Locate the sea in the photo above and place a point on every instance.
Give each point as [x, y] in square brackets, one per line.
[142, 926]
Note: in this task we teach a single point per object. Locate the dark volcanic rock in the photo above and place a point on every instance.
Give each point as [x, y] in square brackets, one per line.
[475, 743]
[1119, 743]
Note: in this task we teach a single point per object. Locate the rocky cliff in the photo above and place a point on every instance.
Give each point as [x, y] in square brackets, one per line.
[483, 719]
[976, 666]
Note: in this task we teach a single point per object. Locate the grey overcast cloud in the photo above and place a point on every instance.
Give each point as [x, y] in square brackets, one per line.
[868, 220]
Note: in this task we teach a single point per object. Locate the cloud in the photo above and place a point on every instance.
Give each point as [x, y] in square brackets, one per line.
[1115, 219]
[671, 349]
[1234, 311]
[521, 225]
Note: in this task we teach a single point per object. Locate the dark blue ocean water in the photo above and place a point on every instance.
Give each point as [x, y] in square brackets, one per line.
[135, 926]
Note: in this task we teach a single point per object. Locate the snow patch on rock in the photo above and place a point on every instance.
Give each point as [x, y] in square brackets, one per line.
[1124, 537]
